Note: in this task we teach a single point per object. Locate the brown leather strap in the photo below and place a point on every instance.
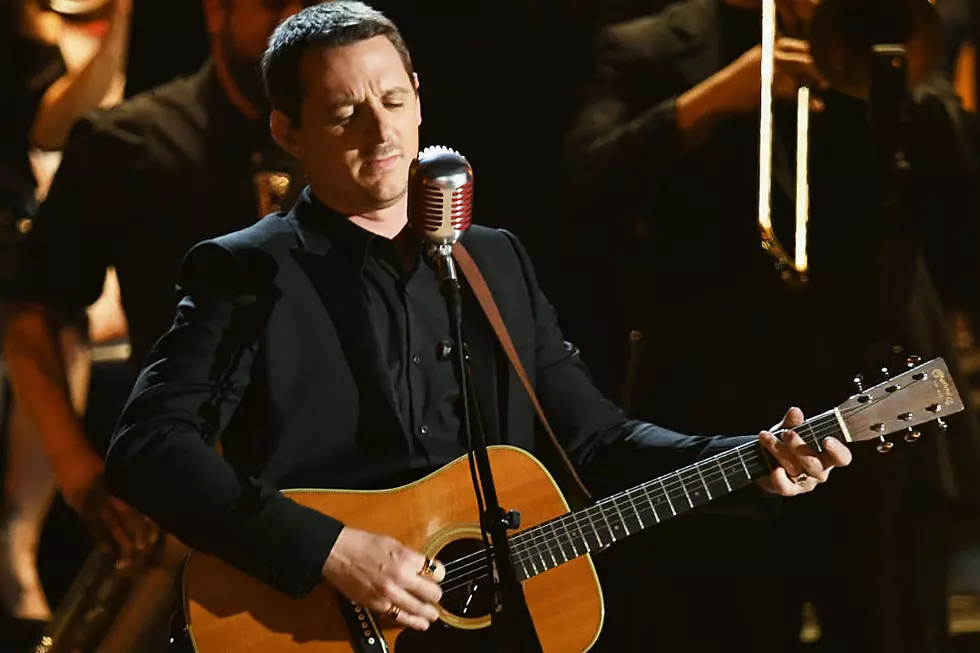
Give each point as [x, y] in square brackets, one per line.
[475, 278]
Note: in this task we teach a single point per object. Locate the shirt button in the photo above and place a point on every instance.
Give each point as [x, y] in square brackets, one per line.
[424, 430]
[416, 359]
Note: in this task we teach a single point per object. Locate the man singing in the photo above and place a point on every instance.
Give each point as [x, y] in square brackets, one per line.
[309, 345]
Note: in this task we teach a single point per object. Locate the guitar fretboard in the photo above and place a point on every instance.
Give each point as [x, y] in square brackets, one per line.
[591, 529]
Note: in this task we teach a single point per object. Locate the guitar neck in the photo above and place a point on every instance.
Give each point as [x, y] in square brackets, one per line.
[591, 529]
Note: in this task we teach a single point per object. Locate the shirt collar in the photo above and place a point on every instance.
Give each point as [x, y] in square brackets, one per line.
[353, 241]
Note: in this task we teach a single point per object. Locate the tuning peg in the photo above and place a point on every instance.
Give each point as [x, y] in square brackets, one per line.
[912, 361]
[859, 382]
[884, 446]
[884, 373]
[911, 435]
[941, 423]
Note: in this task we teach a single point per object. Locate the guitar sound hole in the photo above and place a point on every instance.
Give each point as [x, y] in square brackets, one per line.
[466, 591]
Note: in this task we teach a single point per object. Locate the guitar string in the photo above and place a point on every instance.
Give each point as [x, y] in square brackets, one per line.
[523, 553]
[828, 426]
[478, 570]
[591, 516]
[734, 454]
[594, 515]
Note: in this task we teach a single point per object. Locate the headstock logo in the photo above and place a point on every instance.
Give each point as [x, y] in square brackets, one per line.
[942, 385]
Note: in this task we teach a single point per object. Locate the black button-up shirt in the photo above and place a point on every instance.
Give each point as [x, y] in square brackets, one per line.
[139, 185]
[411, 323]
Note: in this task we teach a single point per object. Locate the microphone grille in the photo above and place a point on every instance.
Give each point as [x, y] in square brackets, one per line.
[429, 153]
[442, 194]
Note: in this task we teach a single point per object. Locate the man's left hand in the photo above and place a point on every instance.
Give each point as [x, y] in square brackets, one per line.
[801, 469]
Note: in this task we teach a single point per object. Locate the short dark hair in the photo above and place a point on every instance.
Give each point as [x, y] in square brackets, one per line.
[325, 25]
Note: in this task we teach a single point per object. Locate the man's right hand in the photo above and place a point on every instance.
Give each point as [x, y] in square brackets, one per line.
[385, 576]
[792, 68]
[110, 520]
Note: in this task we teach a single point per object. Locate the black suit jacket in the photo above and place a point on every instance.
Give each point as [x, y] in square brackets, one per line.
[272, 353]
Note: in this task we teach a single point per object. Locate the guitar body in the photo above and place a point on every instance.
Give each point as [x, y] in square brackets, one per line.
[228, 610]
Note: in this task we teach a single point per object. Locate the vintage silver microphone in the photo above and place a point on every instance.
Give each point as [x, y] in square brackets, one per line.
[440, 203]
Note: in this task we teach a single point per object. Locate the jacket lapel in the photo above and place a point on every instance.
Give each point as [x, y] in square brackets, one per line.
[336, 282]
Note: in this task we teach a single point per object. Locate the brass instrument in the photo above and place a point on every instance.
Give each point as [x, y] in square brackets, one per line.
[842, 35]
[118, 605]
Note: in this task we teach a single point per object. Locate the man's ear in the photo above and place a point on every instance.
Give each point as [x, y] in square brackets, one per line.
[418, 99]
[215, 14]
[284, 134]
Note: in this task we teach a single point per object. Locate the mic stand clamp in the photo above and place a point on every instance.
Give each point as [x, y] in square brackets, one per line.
[442, 254]
[512, 611]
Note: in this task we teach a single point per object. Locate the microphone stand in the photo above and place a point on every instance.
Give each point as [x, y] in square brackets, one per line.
[888, 112]
[514, 615]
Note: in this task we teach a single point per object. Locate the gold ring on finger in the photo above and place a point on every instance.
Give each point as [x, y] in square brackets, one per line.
[428, 568]
[801, 479]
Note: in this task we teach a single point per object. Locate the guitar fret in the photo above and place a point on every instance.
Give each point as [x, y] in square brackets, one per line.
[686, 494]
[701, 476]
[646, 493]
[667, 494]
[554, 540]
[738, 452]
[612, 536]
[542, 550]
[595, 530]
[724, 474]
[626, 505]
[585, 539]
[571, 538]
[622, 520]
[524, 570]
[536, 554]
[551, 551]
[696, 487]
[636, 510]
[558, 538]
[812, 436]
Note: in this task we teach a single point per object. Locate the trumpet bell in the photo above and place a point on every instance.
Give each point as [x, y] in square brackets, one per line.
[843, 32]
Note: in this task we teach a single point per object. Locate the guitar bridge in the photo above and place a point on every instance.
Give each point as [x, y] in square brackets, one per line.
[365, 635]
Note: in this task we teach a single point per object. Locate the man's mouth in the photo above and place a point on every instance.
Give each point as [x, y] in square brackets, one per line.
[382, 163]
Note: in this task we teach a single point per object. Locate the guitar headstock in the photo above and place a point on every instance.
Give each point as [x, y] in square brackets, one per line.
[921, 394]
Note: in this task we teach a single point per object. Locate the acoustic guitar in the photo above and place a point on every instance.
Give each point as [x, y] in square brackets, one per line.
[227, 610]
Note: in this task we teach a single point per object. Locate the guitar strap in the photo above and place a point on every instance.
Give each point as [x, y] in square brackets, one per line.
[479, 285]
